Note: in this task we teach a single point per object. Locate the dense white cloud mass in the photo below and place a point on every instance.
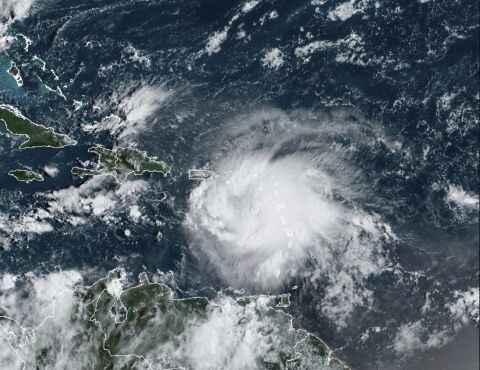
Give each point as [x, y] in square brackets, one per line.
[345, 11]
[37, 309]
[143, 102]
[53, 321]
[10, 11]
[269, 213]
[91, 198]
[265, 215]
[18, 8]
[231, 336]
[461, 198]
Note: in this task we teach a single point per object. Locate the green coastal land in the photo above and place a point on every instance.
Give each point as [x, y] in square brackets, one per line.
[121, 162]
[37, 135]
[144, 325]
[114, 325]
[25, 175]
[15, 73]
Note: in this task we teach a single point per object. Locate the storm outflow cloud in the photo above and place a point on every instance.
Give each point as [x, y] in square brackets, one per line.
[288, 204]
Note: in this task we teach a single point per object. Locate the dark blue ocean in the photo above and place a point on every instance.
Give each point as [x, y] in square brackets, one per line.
[407, 68]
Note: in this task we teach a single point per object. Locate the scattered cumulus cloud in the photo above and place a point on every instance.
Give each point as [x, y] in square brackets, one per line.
[75, 206]
[349, 50]
[415, 337]
[92, 198]
[345, 11]
[135, 107]
[462, 309]
[216, 39]
[273, 59]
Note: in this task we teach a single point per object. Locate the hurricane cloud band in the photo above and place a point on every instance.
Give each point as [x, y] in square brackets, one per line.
[287, 204]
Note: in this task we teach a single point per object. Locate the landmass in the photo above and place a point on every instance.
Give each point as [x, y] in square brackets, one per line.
[15, 73]
[38, 136]
[148, 313]
[196, 174]
[25, 175]
[110, 325]
[121, 162]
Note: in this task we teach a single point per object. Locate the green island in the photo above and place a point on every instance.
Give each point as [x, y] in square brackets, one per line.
[37, 135]
[26, 175]
[196, 174]
[121, 162]
[15, 73]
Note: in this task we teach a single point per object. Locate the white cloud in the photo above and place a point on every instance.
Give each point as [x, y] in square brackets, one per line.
[143, 103]
[220, 343]
[7, 282]
[32, 222]
[216, 39]
[413, 337]
[465, 306]
[461, 198]
[135, 213]
[75, 205]
[273, 59]
[344, 11]
[306, 50]
[51, 171]
[232, 336]
[350, 49]
[19, 8]
[136, 105]
[42, 313]
[11, 11]
[138, 56]
[249, 5]
[267, 215]
[93, 198]
[37, 309]
[420, 336]
[115, 285]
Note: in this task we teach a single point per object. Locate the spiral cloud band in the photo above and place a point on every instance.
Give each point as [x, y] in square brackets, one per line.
[279, 207]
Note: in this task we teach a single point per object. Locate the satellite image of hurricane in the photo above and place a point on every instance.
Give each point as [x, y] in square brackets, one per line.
[239, 184]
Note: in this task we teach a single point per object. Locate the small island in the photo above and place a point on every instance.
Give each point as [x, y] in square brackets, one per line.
[196, 174]
[15, 73]
[25, 175]
[121, 162]
[38, 136]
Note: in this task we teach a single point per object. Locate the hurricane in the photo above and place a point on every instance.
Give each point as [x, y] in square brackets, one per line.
[233, 185]
[286, 202]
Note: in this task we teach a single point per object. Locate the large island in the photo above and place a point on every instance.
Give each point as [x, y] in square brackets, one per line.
[120, 162]
[25, 175]
[37, 135]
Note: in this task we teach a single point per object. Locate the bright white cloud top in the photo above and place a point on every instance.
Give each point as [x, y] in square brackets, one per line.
[284, 206]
